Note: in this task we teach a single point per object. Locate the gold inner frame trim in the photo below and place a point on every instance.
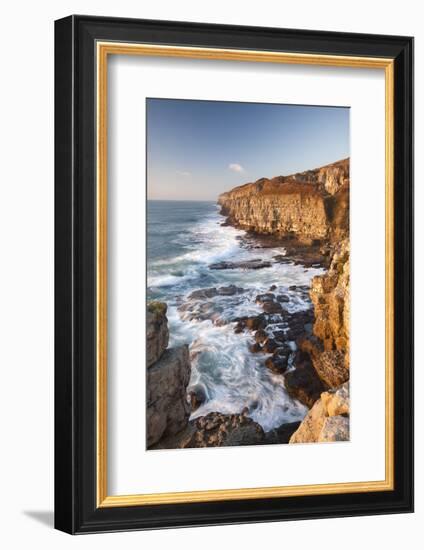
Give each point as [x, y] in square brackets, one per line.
[103, 50]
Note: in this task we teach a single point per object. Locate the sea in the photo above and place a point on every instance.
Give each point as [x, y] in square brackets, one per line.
[184, 238]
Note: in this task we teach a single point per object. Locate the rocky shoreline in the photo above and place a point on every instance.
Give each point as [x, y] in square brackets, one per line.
[308, 214]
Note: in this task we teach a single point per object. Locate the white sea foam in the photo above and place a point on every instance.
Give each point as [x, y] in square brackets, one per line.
[232, 377]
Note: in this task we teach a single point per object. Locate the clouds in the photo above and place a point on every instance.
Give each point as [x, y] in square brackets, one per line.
[234, 167]
[184, 173]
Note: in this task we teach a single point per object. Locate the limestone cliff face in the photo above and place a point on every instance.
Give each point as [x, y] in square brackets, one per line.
[330, 296]
[308, 206]
[328, 420]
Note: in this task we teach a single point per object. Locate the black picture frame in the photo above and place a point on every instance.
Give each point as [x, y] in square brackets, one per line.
[76, 510]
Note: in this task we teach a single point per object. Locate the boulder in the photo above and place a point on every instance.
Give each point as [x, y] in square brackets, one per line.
[217, 430]
[335, 428]
[303, 383]
[328, 419]
[336, 402]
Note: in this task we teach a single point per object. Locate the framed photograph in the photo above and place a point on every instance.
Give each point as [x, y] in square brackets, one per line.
[234, 274]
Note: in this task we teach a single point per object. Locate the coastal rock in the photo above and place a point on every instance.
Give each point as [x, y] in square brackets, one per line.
[328, 419]
[335, 428]
[261, 336]
[206, 293]
[281, 434]
[330, 296]
[264, 298]
[217, 430]
[336, 402]
[157, 333]
[331, 366]
[251, 323]
[272, 307]
[167, 406]
[248, 264]
[303, 383]
[277, 363]
[197, 396]
[328, 347]
[206, 304]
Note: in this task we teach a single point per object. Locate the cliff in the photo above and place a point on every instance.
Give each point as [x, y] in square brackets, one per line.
[168, 375]
[309, 206]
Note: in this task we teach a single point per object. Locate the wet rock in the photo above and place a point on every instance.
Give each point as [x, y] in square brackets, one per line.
[270, 346]
[257, 263]
[251, 323]
[282, 434]
[220, 430]
[281, 259]
[255, 348]
[283, 298]
[261, 336]
[157, 333]
[278, 364]
[206, 293]
[303, 383]
[201, 311]
[272, 288]
[197, 396]
[203, 294]
[265, 298]
[167, 407]
[272, 307]
[230, 290]
[279, 335]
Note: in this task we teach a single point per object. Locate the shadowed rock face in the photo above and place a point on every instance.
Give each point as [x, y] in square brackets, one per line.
[168, 375]
[216, 430]
[157, 333]
[167, 406]
[307, 206]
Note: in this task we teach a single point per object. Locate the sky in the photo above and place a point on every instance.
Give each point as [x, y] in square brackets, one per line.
[199, 149]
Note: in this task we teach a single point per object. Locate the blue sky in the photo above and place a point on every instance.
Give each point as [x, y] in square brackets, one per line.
[198, 149]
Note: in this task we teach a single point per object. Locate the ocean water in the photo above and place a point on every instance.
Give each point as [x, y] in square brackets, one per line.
[184, 239]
